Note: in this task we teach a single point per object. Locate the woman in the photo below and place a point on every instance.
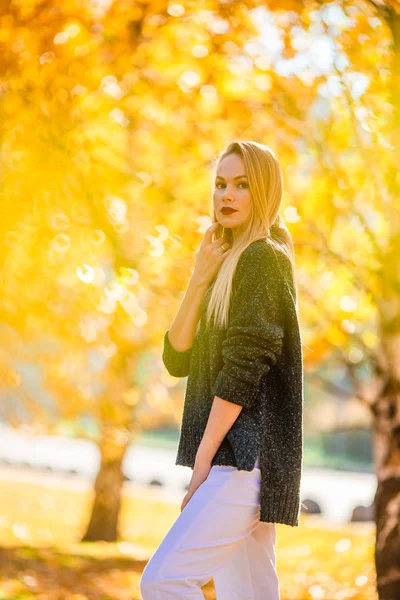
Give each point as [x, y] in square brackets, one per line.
[239, 343]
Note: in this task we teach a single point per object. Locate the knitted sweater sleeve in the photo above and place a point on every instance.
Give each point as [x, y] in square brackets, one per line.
[255, 331]
[177, 363]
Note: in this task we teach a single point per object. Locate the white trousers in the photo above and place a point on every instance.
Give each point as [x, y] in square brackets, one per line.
[217, 535]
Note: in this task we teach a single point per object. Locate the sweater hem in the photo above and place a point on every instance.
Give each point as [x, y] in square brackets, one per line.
[280, 504]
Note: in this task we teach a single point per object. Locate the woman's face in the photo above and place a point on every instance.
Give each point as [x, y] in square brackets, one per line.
[232, 190]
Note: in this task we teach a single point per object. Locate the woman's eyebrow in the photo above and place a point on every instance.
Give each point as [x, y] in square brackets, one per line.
[237, 177]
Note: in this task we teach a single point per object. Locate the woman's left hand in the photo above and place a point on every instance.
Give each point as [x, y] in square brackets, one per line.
[199, 475]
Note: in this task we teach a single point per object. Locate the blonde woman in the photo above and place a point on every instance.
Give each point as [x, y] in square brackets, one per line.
[237, 338]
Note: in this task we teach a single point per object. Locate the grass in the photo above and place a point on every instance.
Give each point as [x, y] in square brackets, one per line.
[41, 557]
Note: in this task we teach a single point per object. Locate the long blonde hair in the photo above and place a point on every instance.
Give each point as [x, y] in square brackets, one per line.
[266, 187]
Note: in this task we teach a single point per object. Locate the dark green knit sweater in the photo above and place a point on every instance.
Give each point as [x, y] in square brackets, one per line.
[255, 362]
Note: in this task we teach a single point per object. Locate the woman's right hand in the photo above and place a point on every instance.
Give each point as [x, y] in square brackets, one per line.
[210, 256]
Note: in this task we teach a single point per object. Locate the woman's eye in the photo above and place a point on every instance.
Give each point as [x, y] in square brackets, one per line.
[241, 183]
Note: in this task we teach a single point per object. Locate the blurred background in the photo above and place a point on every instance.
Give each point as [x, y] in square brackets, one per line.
[111, 114]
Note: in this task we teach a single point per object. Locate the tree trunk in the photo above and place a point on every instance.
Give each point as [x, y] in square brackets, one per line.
[386, 431]
[103, 523]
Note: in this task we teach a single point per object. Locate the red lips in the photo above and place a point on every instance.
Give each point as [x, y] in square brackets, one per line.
[226, 210]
